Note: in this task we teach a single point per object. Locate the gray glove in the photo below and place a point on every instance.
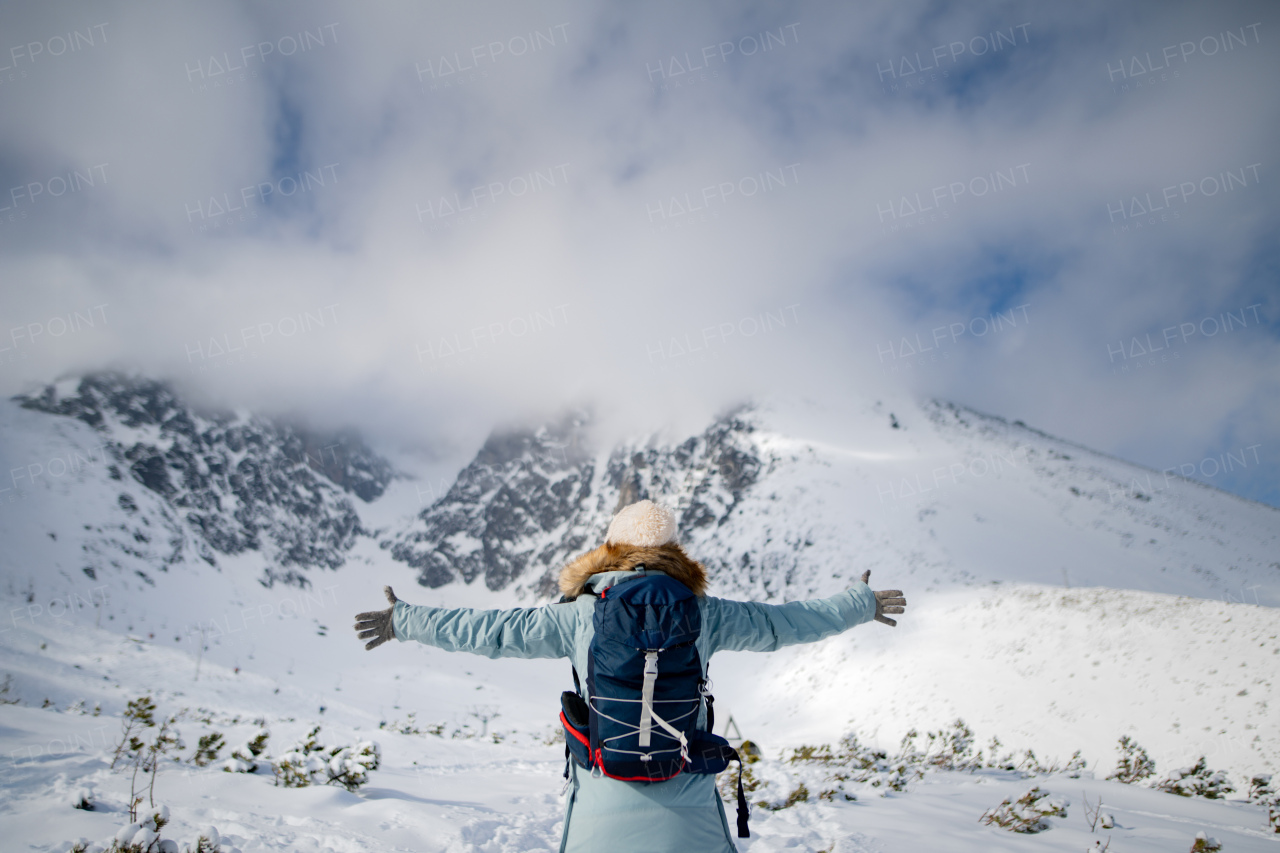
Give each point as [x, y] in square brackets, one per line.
[887, 601]
[377, 623]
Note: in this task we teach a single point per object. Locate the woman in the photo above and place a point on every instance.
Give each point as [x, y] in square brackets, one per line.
[683, 813]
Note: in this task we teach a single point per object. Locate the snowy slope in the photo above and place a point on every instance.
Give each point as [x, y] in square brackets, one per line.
[216, 482]
[1050, 669]
[467, 793]
[1059, 599]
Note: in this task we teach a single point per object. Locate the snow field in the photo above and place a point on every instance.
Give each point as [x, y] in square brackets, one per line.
[1050, 669]
[502, 798]
[438, 794]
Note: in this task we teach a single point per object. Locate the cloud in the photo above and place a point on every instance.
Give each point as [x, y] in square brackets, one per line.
[426, 221]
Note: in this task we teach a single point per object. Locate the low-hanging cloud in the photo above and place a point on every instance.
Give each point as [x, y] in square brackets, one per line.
[428, 220]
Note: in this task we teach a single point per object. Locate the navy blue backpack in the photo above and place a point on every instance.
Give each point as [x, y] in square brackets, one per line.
[638, 720]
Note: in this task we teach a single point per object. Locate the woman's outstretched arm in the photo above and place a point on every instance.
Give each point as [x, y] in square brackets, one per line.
[526, 632]
[757, 627]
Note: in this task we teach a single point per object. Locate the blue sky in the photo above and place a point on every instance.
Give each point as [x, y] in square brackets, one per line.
[449, 177]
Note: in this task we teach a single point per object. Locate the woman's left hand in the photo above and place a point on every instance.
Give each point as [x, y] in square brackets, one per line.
[887, 601]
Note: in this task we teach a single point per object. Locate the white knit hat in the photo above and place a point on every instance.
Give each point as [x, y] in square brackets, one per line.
[644, 524]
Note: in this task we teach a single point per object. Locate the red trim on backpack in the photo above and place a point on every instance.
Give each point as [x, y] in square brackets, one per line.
[573, 731]
[600, 764]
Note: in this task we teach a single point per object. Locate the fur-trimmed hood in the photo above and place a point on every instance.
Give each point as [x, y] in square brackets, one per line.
[670, 559]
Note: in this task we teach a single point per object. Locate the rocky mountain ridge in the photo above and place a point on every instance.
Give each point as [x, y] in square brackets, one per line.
[531, 500]
[228, 483]
[936, 493]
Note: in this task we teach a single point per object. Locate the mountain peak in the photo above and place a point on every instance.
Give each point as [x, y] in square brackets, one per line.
[237, 483]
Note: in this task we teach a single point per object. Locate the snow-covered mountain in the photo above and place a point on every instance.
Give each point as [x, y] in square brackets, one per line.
[532, 500]
[935, 494]
[938, 494]
[200, 484]
[1059, 597]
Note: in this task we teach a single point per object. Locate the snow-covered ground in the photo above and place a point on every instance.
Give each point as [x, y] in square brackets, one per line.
[1049, 669]
[1058, 600]
[436, 793]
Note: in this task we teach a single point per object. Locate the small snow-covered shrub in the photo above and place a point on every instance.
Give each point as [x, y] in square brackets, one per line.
[1262, 792]
[349, 766]
[82, 799]
[144, 837]
[1260, 789]
[6, 688]
[825, 773]
[995, 760]
[851, 768]
[410, 727]
[142, 751]
[244, 758]
[1203, 842]
[1029, 813]
[1134, 765]
[239, 764]
[799, 795]
[955, 748]
[207, 842]
[1030, 765]
[1196, 781]
[1075, 765]
[310, 763]
[208, 748]
[875, 769]
[296, 769]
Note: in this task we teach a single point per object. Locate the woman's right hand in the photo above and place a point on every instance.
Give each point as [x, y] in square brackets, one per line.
[377, 624]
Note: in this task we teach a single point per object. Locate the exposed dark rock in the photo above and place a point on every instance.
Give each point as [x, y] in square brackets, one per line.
[532, 500]
[240, 484]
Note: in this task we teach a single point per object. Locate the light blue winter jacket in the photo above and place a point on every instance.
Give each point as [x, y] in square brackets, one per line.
[681, 815]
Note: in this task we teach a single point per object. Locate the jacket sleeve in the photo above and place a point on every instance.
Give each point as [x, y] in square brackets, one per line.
[527, 632]
[755, 627]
